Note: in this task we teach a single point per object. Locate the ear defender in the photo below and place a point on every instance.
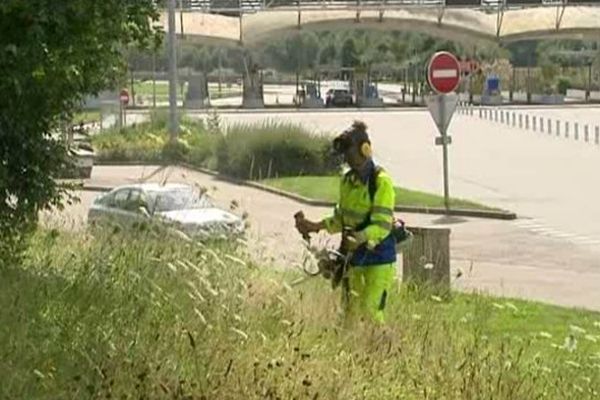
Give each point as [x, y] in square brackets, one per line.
[366, 150]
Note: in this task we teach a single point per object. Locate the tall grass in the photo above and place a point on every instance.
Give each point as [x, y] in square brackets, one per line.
[136, 316]
[271, 149]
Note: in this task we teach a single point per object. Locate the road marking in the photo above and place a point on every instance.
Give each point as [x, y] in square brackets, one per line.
[540, 228]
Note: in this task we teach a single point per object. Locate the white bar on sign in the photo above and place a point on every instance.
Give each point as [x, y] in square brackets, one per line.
[444, 73]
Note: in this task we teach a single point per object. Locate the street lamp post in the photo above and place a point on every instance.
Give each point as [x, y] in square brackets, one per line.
[172, 49]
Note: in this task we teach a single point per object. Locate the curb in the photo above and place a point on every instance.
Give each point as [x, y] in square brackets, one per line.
[490, 214]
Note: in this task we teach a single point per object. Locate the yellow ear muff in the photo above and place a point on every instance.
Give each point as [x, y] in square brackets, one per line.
[366, 150]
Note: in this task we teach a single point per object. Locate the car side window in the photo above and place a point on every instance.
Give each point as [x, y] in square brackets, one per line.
[120, 199]
[135, 201]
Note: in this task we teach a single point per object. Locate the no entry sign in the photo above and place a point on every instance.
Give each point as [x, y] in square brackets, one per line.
[443, 72]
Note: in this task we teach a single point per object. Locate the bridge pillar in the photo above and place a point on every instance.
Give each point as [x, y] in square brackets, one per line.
[253, 89]
[197, 93]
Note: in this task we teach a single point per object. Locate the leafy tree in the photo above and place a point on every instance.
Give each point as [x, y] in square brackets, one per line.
[52, 54]
[349, 54]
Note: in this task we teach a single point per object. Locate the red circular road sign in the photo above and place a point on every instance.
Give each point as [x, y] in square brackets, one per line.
[443, 72]
[124, 96]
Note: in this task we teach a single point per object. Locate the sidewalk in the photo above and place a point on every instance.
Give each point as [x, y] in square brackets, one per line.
[498, 257]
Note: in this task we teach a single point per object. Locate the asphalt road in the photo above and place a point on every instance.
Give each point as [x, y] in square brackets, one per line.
[553, 182]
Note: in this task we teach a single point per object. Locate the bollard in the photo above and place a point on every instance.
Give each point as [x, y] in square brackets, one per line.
[576, 131]
[567, 129]
[501, 117]
[527, 122]
[496, 115]
[549, 127]
[541, 124]
[520, 121]
[479, 112]
[557, 128]
[471, 110]
[586, 133]
[533, 123]
[427, 260]
[507, 118]
[597, 135]
[514, 119]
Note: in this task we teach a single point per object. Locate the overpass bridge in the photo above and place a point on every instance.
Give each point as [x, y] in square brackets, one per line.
[253, 22]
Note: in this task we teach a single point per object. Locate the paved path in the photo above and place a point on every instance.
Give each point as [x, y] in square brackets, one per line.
[496, 256]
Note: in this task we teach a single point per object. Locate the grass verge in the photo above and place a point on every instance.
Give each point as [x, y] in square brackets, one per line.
[138, 316]
[327, 188]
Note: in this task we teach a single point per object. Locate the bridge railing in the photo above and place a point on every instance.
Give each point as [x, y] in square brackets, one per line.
[257, 5]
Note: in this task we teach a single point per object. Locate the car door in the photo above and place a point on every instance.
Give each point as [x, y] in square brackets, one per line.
[116, 208]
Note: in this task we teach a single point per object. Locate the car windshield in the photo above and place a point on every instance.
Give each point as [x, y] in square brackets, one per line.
[176, 199]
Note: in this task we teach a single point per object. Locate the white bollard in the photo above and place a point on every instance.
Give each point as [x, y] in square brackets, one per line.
[501, 117]
[576, 131]
[586, 133]
[549, 127]
[557, 128]
[508, 118]
[567, 129]
[598, 135]
[533, 123]
[496, 115]
[541, 124]
[471, 110]
[520, 121]
[479, 112]
[527, 122]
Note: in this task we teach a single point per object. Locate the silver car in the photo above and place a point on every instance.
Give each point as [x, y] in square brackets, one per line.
[174, 206]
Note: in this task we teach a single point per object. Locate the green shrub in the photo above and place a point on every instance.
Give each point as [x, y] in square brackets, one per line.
[562, 85]
[271, 149]
[248, 151]
[149, 142]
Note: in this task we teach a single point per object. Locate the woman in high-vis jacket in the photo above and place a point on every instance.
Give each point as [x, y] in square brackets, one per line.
[364, 214]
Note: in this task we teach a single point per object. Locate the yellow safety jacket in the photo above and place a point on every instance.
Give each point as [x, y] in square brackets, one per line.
[371, 220]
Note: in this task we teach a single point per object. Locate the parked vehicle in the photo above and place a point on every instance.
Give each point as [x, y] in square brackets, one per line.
[173, 206]
[338, 98]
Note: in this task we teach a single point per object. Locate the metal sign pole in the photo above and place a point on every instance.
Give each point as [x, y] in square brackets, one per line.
[443, 132]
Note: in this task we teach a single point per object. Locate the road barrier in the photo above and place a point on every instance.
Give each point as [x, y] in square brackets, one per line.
[535, 122]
